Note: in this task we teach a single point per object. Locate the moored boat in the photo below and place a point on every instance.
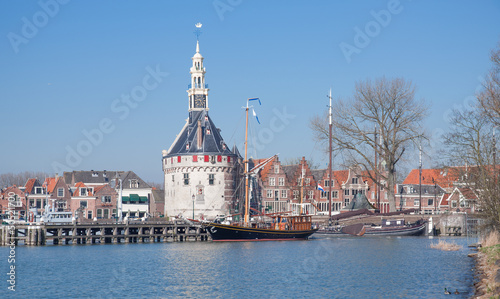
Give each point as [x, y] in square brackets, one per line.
[387, 228]
[280, 228]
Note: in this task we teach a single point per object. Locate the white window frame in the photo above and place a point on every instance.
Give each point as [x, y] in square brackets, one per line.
[59, 191]
[272, 181]
[269, 193]
[284, 193]
[281, 181]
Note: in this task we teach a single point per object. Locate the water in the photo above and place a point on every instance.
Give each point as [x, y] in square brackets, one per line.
[370, 267]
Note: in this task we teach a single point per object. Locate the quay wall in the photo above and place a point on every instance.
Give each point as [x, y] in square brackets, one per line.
[101, 233]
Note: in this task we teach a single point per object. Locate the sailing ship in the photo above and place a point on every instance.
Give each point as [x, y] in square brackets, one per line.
[396, 227]
[281, 227]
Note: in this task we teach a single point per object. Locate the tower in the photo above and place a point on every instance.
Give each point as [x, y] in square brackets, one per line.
[200, 171]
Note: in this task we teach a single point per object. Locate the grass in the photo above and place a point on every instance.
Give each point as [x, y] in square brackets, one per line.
[491, 253]
[446, 246]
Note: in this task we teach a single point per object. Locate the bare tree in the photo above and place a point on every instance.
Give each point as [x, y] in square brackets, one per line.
[384, 106]
[19, 179]
[294, 161]
[489, 97]
[470, 143]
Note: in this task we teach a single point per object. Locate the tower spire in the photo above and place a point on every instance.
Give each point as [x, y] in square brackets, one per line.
[198, 89]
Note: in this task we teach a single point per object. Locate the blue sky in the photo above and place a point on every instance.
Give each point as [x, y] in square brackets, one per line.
[66, 64]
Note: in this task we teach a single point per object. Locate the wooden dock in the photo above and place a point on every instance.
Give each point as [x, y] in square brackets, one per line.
[101, 233]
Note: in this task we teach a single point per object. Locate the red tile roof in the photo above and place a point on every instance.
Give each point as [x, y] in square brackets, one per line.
[29, 185]
[445, 200]
[443, 177]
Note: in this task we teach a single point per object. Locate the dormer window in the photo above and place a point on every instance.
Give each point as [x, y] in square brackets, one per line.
[134, 184]
[187, 146]
[208, 131]
[83, 191]
[206, 118]
[95, 174]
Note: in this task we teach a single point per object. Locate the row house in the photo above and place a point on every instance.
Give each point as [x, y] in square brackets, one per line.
[283, 186]
[97, 202]
[13, 203]
[436, 190]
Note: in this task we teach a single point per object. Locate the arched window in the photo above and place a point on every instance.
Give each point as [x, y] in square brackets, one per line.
[199, 81]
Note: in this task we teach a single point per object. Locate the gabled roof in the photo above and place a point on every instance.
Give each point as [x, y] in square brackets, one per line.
[91, 177]
[341, 176]
[199, 126]
[30, 183]
[50, 184]
[130, 175]
[77, 189]
[444, 177]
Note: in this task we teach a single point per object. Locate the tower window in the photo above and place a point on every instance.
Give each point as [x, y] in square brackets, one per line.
[186, 179]
[211, 178]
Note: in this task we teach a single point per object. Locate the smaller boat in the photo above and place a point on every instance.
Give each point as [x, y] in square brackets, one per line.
[396, 227]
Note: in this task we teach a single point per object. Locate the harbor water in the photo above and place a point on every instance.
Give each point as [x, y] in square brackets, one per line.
[342, 267]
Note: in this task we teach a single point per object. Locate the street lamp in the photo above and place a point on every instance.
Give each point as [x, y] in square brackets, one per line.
[435, 195]
[26, 215]
[193, 205]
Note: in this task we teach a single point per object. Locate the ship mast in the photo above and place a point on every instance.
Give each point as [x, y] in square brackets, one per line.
[330, 157]
[247, 201]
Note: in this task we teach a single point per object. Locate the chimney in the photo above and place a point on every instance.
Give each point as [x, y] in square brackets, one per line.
[200, 139]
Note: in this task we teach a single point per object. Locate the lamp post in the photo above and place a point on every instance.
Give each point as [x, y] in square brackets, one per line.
[435, 195]
[401, 198]
[27, 203]
[193, 205]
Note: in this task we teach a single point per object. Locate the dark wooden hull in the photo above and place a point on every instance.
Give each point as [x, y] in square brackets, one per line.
[412, 230]
[222, 232]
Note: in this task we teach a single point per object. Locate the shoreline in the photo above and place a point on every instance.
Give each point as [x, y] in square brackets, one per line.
[486, 276]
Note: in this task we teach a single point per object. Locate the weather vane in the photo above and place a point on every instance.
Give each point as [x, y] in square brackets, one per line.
[197, 32]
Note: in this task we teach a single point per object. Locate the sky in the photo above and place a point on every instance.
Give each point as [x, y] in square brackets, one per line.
[101, 85]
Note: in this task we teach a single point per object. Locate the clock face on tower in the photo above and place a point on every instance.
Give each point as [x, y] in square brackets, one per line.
[199, 101]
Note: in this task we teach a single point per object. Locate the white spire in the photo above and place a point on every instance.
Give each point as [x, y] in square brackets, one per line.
[197, 46]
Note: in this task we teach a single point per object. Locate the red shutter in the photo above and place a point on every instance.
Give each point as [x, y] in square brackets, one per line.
[171, 160]
[228, 159]
[207, 159]
[195, 158]
[179, 159]
[219, 158]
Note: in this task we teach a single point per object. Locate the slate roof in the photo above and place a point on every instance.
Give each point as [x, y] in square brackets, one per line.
[130, 175]
[212, 142]
[158, 196]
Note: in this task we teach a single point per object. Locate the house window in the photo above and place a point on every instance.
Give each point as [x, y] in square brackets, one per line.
[60, 192]
[83, 191]
[327, 183]
[99, 213]
[186, 179]
[308, 181]
[335, 194]
[281, 181]
[295, 194]
[134, 184]
[453, 203]
[269, 193]
[346, 192]
[211, 178]
[61, 205]
[283, 194]
[276, 169]
[83, 204]
[323, 194]
[89, 215]
[106, 214]
[106, 199]
[272, 182]
[416, 202]
[354, 180]
[346, 201]
[38, 190]
[311, 194]
[430, 202]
